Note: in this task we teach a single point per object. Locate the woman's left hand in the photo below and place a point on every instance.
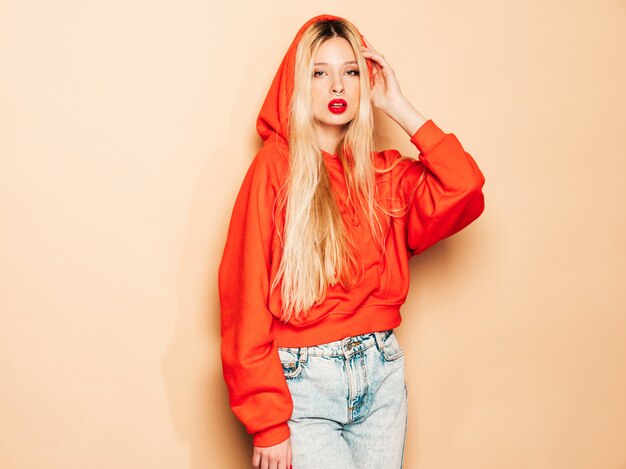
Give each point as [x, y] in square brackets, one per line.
[384, 86]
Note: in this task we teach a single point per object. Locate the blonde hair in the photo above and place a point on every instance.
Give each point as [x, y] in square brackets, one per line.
[316, 248]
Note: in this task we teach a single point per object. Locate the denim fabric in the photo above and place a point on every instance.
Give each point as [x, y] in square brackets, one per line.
[350, 403]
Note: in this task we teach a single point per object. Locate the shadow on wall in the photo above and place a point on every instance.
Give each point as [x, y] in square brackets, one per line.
[191, 365]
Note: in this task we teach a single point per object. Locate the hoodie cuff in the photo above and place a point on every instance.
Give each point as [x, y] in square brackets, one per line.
[427, 136]
[271, 436]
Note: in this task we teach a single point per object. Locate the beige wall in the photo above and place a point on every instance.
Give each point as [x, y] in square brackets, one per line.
[125, 131]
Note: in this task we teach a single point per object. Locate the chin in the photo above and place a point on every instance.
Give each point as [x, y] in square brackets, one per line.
[338, 121]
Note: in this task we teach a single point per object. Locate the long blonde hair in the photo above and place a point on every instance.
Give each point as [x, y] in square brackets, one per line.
[316, 248]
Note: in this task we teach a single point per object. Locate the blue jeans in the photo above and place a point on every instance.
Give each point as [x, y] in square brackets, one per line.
[350, 403]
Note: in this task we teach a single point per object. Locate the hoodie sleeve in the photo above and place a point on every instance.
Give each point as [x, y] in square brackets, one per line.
[443, 188]
[257, 389]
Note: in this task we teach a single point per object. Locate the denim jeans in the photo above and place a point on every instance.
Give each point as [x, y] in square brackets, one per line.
[349, 403]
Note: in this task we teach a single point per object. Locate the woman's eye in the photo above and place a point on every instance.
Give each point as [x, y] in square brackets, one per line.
[353, 72]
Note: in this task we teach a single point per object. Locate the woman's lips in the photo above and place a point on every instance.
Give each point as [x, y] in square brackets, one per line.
[337, 106]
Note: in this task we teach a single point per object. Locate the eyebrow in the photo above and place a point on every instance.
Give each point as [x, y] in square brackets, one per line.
[345, 63]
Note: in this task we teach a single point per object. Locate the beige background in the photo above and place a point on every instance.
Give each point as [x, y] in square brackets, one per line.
[125, 132]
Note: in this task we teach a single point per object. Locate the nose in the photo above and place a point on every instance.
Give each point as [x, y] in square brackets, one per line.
[337, 87]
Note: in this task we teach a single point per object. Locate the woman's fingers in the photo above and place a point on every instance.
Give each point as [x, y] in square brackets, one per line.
[289, 455]
[383, 82]
[273, 457]
[372, 50]
[378, 65]
[376, 57]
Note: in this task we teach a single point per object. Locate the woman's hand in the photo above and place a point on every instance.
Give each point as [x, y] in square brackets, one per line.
[386, 94]
[273, 457]
[385, 89]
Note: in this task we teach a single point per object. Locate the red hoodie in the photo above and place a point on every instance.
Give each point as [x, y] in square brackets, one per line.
[447, 199]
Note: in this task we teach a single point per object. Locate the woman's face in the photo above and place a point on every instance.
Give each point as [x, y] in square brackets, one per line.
[336, 84]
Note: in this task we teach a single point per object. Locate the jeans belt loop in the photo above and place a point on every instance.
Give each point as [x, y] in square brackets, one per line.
[346, 347]
[303, 354]
[379, 340]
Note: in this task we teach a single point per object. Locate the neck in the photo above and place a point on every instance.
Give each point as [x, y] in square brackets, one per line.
[329, 137]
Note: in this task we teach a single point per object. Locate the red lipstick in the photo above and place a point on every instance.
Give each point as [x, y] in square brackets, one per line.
[337, 106]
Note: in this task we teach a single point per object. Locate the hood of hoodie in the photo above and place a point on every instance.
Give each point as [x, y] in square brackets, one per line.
[273, 120]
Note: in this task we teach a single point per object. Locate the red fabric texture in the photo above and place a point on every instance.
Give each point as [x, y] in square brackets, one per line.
[443, 189]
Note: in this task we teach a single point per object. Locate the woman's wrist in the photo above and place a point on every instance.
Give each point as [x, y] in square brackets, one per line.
[407, 117]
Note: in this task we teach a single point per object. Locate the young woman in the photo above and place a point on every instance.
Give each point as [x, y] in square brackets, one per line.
[315, 265]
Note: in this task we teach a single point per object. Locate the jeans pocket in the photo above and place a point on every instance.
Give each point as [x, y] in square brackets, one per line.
[291, 361]
[391, 347]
